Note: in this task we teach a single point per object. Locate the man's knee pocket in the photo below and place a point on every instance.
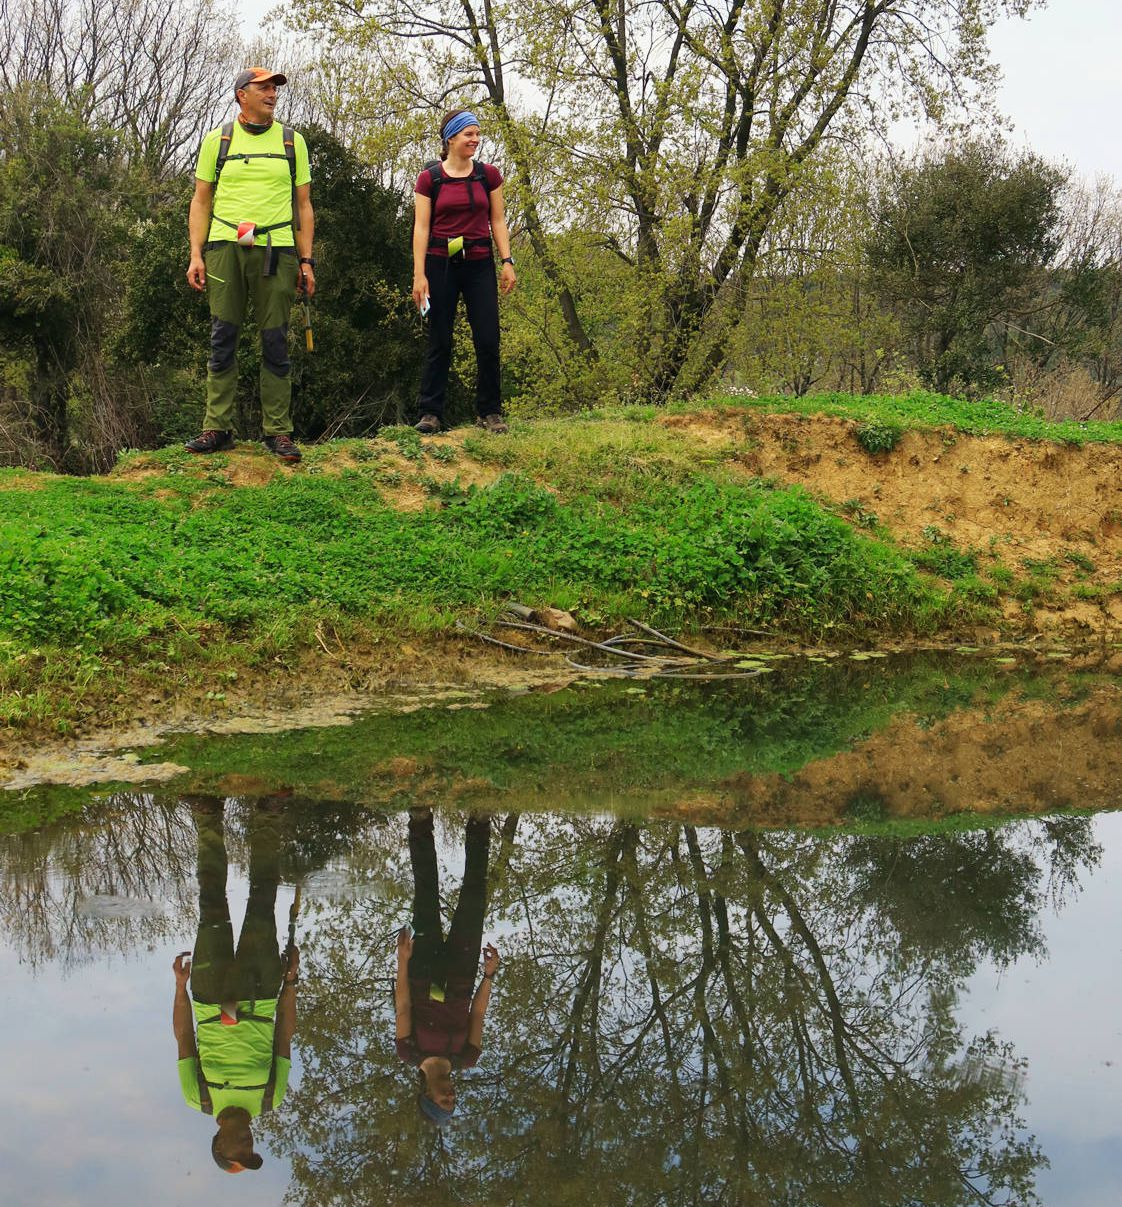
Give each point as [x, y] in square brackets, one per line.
[223, 345]
[274, 350]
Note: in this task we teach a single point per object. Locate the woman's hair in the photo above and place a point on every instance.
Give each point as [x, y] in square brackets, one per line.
[443, 125]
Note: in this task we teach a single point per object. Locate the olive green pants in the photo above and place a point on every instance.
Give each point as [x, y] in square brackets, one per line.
[233, 279]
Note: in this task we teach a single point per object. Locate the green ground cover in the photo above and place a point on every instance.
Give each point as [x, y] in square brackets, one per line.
[175, 575]
[924, 410]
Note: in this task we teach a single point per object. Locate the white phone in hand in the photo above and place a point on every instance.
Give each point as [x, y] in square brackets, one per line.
[426, 306]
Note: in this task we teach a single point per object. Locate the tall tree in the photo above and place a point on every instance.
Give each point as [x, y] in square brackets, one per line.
[676, 129]
[961, 241]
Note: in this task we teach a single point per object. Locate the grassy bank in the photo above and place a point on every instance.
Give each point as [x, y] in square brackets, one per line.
[176, 574]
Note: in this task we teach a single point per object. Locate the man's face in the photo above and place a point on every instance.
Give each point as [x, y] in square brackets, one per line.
[258, 101]
[235, 1141]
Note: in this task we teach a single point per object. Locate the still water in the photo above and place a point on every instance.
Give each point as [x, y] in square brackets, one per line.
[687, 1008]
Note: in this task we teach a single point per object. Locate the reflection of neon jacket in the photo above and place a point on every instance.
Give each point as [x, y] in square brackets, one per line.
[236, 1061]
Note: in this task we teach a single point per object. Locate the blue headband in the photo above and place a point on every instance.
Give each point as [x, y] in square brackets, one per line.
[460, 122]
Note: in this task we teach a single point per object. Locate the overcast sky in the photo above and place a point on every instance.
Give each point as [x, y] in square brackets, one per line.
[1062, 81]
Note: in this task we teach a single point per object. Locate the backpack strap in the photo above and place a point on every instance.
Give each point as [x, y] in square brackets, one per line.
[437, 174]
[223, 151]
[288, 134]
[206, 1103]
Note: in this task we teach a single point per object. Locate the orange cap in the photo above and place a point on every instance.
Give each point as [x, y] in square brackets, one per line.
[258, 75]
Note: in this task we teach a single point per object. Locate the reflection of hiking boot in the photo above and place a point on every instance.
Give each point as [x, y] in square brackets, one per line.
[419, 815]
[428, 425]
[283, 447]
[207, 806]
[211, 442]
[493, 423]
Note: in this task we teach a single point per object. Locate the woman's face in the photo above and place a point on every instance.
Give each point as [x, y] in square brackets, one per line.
[466, 143]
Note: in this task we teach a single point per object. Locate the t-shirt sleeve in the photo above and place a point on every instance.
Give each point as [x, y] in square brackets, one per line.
[469, 1056]
[494, 176]
[407, 1050]
[205, 167]
[189, 1081]
[424, 183]
[303, 164]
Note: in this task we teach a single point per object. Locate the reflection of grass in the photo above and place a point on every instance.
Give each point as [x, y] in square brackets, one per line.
[954, 823]
[594, 744]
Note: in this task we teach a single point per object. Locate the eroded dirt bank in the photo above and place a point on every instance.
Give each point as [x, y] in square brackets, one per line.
[1049, 515]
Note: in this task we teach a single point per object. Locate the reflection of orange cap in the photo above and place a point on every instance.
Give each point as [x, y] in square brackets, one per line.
[258, 75]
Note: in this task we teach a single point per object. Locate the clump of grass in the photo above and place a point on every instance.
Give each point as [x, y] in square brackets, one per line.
[878, 436]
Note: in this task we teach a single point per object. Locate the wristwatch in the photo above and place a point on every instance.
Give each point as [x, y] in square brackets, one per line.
[507, 260]
[308, 260]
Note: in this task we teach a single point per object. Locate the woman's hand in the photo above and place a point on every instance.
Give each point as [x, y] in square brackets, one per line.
[507, 279]
[420, 289]
[404, 945]
[490, 960]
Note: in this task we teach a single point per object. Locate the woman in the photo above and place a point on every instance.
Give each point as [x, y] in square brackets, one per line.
[439, 1011]
[458, 207]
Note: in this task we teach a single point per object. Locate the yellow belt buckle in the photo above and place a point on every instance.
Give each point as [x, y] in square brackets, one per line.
[456, 245]
[436, 992]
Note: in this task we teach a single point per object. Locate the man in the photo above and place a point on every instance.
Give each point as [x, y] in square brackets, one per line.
[251, 227]
[235, 1039]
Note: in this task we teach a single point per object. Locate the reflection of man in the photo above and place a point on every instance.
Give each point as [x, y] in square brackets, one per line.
[439, 1020]
[235, 1037]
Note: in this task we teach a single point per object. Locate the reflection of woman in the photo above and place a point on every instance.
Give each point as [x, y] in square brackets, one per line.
[439, 1019]
[452, 257]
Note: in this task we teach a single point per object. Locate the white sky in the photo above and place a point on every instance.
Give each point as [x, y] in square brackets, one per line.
[1062, 81]
[1063, 85]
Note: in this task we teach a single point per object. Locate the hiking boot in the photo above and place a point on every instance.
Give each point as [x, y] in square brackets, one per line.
[493, 423]
[428, 425]
[211, 442]
[283, 447]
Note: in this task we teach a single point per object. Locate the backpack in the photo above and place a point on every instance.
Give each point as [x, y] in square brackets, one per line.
[435, 170]
[288, 134]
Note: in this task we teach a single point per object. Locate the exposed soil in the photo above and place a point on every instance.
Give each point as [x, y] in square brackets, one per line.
[1058, 508]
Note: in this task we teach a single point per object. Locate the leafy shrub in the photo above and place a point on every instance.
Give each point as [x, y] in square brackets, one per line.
[878, 436]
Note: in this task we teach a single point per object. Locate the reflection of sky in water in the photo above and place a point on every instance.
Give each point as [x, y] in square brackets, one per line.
[89, 1101]
[90, 1111]
[1065, 1018]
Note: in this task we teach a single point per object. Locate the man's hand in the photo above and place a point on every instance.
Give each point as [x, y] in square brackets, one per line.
[182, 969]
[307, 282]
[404, 945]
[490, 960]
[196, 273]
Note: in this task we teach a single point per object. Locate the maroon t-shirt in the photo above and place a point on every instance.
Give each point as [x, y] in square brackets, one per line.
[454, 215]
[439, 1028]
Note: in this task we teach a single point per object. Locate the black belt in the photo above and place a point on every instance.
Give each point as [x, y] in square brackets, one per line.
[441, 242]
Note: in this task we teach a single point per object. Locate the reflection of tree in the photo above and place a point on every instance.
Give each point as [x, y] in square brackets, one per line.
[121, 873]
[974, 894]
[684, 1016]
